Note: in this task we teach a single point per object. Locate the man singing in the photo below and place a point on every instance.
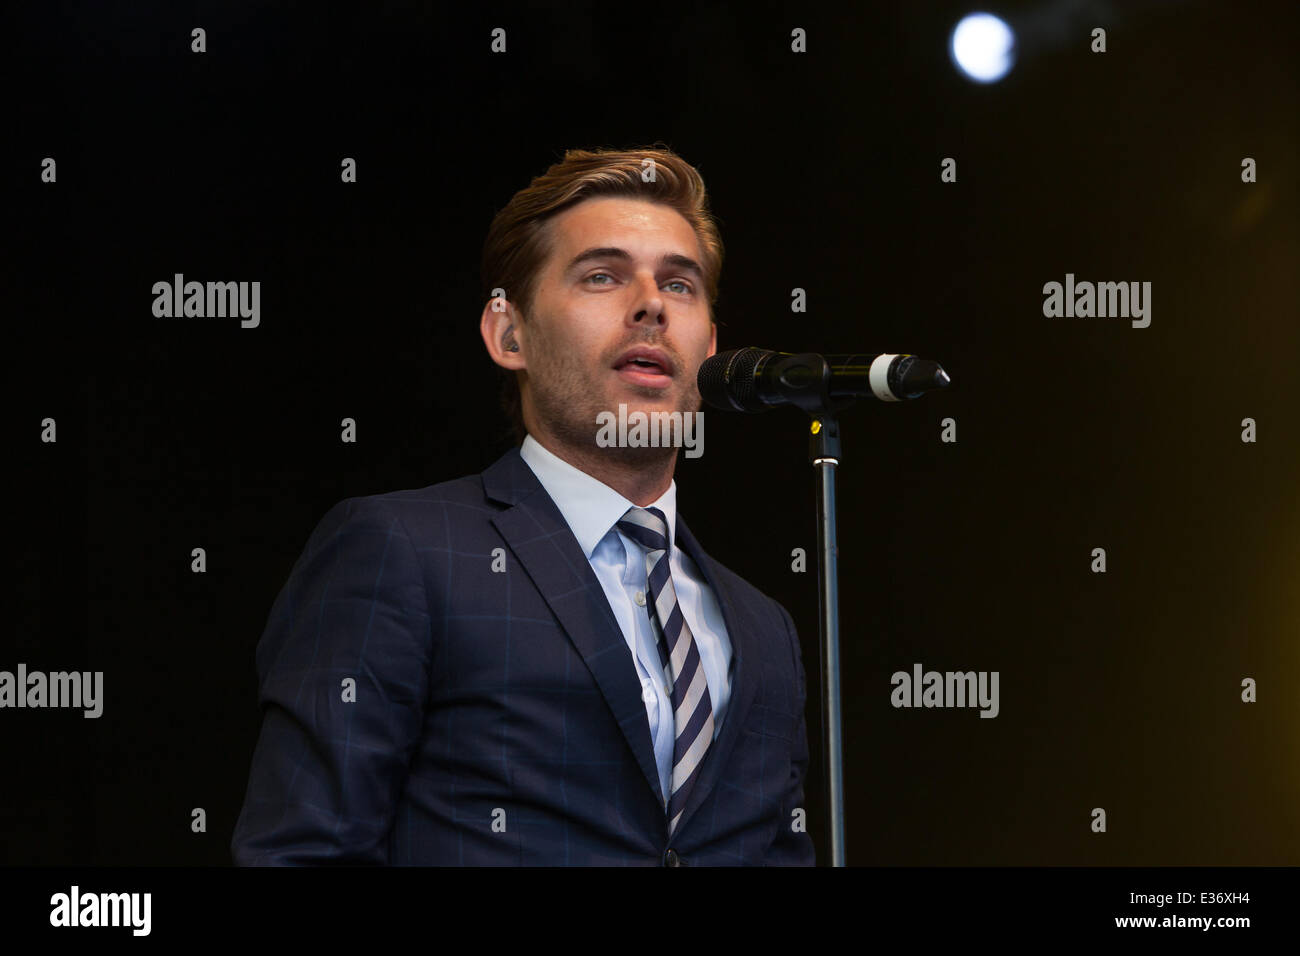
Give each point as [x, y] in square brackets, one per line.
[539, 664]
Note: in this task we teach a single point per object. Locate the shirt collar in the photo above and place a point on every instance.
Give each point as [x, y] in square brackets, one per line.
[589, 506]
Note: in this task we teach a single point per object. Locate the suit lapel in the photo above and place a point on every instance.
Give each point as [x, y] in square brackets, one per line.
[743, 679]
[544, 544]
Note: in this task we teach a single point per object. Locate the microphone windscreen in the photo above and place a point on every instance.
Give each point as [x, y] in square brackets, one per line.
[727, 381]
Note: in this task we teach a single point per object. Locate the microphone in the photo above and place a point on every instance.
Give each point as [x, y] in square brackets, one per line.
[755, 380]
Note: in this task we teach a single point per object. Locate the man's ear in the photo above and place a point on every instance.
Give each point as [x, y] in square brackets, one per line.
[713, 340]
[499, 325]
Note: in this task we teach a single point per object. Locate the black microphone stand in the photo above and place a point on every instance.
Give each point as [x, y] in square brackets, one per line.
[806, 382]
[811, 374]
[824, 452]
[809, 378]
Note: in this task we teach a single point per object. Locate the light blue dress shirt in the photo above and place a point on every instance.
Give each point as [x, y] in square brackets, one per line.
[591, 509]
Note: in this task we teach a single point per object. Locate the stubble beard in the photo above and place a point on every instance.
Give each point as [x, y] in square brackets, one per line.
[568, 398]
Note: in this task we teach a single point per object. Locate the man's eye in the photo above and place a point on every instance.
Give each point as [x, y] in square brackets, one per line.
[682, 283]
[596, 274]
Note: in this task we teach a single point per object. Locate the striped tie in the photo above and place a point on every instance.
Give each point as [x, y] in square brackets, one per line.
[692, 706]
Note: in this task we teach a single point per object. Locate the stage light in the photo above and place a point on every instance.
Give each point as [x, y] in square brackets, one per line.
[983, 47]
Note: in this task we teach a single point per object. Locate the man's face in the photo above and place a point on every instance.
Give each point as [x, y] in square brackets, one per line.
[623, 275]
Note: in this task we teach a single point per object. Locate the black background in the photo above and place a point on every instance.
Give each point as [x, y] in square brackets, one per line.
[1118, 690]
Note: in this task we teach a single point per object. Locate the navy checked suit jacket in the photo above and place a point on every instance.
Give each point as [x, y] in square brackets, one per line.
[498, 717]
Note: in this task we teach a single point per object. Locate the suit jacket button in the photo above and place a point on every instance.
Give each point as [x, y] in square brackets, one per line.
[671, 858]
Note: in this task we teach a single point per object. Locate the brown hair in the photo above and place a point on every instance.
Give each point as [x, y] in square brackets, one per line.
[518, 241]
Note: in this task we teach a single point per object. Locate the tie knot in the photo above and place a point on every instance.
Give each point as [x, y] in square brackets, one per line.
[647, 527]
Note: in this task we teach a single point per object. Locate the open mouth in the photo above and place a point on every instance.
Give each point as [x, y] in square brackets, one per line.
[645, 364]
[645, 367]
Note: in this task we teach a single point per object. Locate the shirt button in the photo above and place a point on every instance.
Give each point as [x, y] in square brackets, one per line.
[639, 597]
